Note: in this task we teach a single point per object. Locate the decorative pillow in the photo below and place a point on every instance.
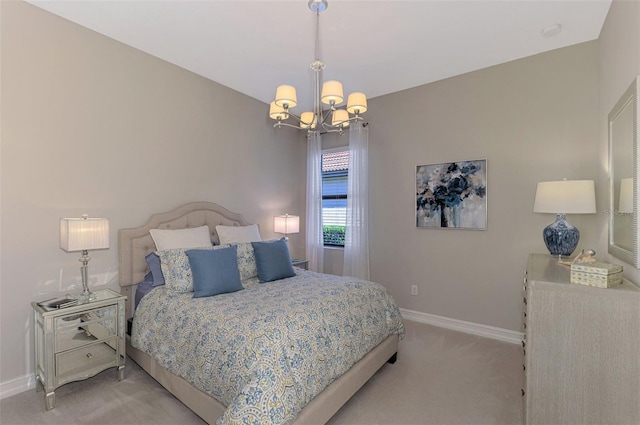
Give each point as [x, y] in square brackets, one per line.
[143, 288]
[238, 234]
[153, 261]
[246, 261]
[273, 260]
[214, 271]
[196, 237]
[177, 270]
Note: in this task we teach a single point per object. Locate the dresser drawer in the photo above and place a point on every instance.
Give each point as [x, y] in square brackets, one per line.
[86, 361]
[77, 330]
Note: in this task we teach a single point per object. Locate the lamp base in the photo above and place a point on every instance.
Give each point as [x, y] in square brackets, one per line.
[561, 237]
[86, 295]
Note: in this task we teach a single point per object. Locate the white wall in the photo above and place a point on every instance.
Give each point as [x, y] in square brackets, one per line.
[619, 64]
[92, 126]
[533, 119]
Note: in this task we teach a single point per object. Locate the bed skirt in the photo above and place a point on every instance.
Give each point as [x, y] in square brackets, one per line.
[318, 411]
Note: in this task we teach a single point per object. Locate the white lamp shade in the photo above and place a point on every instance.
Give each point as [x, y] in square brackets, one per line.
[308, 120]
[340, 118]
[277, 112]
[286, 95]
[79, 234]
[357, 103]
[565, 197]
[286, 224]
[332, 92]
[625, 203]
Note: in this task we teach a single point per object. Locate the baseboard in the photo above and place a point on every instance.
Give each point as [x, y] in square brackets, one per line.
[462, 326]
[17, 386]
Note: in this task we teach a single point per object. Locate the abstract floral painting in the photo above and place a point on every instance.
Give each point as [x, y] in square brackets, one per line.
[452, 195]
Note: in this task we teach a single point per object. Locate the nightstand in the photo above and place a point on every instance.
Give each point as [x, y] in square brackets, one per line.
[298, 262]
[78, 342]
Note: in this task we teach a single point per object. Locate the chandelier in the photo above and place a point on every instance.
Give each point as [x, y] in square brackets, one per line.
[335, 120]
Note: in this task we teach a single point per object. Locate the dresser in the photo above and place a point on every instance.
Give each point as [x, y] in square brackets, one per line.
[78, 342]
[581, 348]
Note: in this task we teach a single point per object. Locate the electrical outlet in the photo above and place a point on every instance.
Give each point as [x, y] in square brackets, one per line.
[414, 289]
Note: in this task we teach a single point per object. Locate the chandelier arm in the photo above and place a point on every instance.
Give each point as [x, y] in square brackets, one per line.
[338, 130]
[325, 120]
[286, 124]
[291, 114]
[330, 128]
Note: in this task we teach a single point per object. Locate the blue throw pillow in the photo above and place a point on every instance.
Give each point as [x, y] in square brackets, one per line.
[156, 271]
[214, 271]
[273, 260]
[143, 288]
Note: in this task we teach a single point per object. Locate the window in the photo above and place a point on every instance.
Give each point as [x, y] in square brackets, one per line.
[335, 173]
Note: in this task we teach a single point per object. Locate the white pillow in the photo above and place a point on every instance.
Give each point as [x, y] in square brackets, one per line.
[196, 237]
[238, 234]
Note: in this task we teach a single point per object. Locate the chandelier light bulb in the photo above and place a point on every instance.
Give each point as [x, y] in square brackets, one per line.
[277, 112]
[286, 97]
[308, 120]
[332, 93]
[340, 118]
[357, 103]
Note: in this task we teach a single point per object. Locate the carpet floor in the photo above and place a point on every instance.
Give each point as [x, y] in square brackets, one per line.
[441, 377]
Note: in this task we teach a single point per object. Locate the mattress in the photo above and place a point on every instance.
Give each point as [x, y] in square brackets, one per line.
[268, 350]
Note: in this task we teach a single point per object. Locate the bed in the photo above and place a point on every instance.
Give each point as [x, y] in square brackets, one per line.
[284, 395]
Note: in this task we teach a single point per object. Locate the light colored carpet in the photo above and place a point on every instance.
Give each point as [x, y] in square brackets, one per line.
[441, 377]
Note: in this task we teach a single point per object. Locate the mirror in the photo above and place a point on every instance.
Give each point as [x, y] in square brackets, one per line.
[624, 174]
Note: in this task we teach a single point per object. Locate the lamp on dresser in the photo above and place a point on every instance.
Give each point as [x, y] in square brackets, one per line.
[564, 197]
[286, 224]
[84, 234]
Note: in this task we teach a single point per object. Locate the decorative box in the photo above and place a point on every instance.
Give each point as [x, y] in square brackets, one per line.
[600, 275]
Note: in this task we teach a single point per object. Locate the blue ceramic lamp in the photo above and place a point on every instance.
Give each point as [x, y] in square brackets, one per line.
[561, 198]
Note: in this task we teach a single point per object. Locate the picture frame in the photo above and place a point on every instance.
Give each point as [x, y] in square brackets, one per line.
[452, 195]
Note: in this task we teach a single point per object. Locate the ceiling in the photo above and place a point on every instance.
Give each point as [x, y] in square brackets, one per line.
[376, 46]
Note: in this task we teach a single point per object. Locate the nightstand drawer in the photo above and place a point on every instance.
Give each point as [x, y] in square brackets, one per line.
[76, 330]
[86, 361]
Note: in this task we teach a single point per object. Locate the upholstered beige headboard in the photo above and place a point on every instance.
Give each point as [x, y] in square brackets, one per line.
[134, 244]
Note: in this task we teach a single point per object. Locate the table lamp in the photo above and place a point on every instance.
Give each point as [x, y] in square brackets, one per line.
[561, 198]
[84, 234]
[286, 224]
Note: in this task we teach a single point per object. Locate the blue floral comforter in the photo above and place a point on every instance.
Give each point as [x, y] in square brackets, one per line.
[266, 351]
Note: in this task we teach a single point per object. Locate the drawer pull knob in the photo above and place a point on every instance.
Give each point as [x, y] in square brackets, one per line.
[522, 392]
[89, 355]
[523, 344]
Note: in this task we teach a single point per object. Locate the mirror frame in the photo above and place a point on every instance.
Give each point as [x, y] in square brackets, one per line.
[629, 98]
